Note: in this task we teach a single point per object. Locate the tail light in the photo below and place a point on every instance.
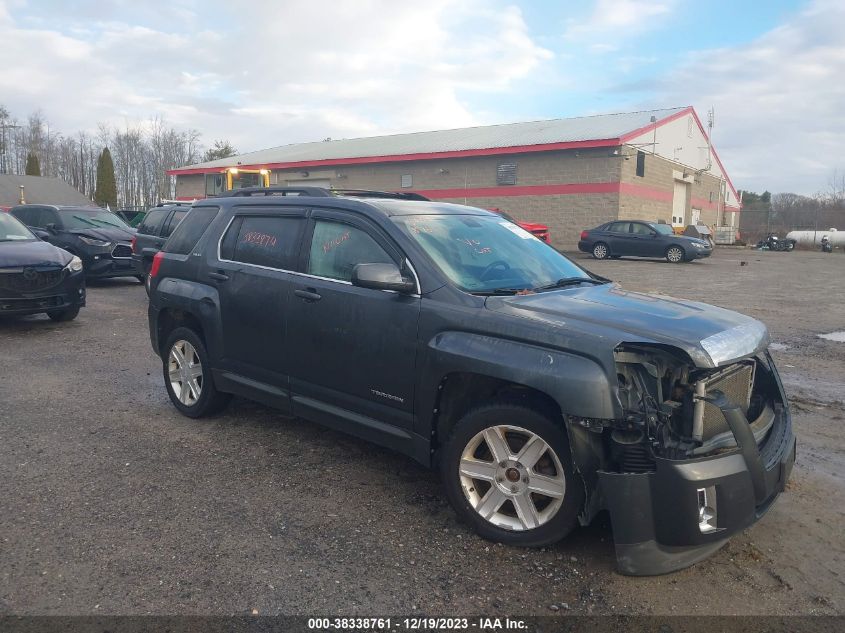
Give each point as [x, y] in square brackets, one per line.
[134, 244]
[156, 264]
[584, 235]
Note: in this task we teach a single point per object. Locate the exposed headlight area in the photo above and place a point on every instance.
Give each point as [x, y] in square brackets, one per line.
[74, 265]
[669, 413]
[91, 241]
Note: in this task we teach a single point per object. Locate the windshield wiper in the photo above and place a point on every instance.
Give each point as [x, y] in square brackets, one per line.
[569, 281]
[117, 226]
[86, 220]
[499, 292]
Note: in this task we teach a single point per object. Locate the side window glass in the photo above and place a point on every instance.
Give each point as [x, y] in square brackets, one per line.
[640, 229]
[188, 233]
[51, 217]
[175, 219]
[271, 241]
[336, 248]
[620, 227]
[152, 221]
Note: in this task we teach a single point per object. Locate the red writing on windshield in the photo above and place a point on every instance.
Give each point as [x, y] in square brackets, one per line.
[260, 239]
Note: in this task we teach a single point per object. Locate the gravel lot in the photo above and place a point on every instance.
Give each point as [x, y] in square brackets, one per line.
[112, 503]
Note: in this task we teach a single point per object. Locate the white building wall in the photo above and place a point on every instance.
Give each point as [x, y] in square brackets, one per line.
[682, 141]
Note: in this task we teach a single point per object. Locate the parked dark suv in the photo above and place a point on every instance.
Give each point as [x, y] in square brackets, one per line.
[100, 238]
[542, 393]
[37, 277]
[153, 231]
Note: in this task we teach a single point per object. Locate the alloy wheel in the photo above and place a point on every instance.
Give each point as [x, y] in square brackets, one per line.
[674, 254]
[185, 372]
[600, 251]
[512, 477]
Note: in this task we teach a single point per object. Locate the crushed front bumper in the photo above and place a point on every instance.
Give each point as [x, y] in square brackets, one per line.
[656, 516]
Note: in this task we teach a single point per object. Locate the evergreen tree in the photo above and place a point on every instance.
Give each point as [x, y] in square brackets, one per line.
[33, 167]
[220, 149]
[106, 191]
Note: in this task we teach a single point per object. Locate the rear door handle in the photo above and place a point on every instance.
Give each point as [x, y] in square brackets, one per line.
[219, 276]
[309, 294]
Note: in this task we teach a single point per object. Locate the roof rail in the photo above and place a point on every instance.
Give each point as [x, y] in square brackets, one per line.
[393, 195]
[316, 192]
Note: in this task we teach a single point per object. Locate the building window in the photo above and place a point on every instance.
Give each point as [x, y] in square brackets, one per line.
[506, 174]
[640, 164]
[407, 180]
[214, 184]
[690, 127]
[711, 196]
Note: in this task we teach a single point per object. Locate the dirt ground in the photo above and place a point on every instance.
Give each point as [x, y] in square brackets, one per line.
[112, 503]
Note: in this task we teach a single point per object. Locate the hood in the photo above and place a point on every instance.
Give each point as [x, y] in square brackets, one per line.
[33, 253]
[711, 336]
[533, 226]
[108, 234]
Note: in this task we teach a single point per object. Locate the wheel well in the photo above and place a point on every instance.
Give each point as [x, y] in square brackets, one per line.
[170, 319]
[461, 392]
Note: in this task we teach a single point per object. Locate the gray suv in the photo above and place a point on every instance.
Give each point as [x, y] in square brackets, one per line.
[542, 393]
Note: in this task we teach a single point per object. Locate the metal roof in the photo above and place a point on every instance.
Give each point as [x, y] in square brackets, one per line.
[39, 190]
[579, 129]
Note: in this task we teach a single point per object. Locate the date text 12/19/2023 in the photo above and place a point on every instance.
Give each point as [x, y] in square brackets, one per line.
[416, 624]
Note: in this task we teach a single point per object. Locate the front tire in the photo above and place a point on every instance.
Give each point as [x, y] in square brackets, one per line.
[187, 375]
[675, 255]
[507, 472]
[68, 314]
[600, 250]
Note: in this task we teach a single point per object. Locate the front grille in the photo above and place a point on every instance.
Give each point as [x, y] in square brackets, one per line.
[30, 279]
[736, 383]
[42, 303]
[122, 251]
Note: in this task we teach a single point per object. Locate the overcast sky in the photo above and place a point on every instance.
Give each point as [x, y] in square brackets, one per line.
[272, 72]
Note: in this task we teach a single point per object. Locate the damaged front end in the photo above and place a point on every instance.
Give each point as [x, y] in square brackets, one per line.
[699, 453]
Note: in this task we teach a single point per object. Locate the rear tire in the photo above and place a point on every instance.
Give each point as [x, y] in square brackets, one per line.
[187, 375]
[675, 255]
[68, 314]
[498, 490]
[600, 250]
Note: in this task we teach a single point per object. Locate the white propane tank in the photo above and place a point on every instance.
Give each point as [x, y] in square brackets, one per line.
[814, 238]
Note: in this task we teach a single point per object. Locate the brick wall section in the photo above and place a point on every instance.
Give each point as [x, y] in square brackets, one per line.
[566, 215]
[659, 175]
[191, 186]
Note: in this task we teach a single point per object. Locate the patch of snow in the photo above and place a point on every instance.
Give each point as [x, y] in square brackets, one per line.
[839, 337]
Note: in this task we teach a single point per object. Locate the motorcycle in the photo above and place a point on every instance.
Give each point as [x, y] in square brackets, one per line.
[827, 247]
[774, 243]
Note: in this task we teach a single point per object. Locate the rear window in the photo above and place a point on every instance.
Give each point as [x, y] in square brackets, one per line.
[190, 230]
[271, 241]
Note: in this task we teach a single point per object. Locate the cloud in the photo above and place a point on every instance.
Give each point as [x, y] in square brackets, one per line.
[778, 100]
[278, 72]
[611, 20]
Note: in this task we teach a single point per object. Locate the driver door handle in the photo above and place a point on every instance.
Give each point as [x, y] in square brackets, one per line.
[219, 276]
[309, 294]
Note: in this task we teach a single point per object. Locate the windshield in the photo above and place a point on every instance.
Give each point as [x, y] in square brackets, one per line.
[91, 218]
[663, 229]
[12, 230]
[483, 254]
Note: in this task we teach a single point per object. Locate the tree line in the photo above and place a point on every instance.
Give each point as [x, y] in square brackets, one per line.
[764, 213]
[121, 167]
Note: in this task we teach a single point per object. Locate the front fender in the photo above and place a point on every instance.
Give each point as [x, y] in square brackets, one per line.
[578, 384]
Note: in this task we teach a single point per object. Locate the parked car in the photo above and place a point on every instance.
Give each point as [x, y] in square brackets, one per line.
[536, 229]
[157, 225]
[36, 277]
[98, 237]
[542, 393]
[636, 238]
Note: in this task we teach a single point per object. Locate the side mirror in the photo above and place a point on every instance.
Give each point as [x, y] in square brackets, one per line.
[51, 228]
[382, 277]
[41, 234]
